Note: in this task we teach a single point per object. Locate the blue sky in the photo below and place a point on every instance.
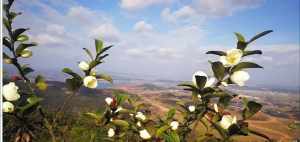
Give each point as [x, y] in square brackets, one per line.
[164, 39]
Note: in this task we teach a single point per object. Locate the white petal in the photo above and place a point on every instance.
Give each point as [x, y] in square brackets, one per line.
[111, 132]
[210, 82]
[10, 92]
[239, 77]
[90, 82]
[144, 134]
[83, 65]
[226, 121]
[108, 100]
[216, 108]
[224, 61]
[8, 107]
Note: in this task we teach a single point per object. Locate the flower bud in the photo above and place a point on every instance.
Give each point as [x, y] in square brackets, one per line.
[8, 107]
[111, 132]
[26, 53]
[84, 66]
[192, 108]
[174, 125]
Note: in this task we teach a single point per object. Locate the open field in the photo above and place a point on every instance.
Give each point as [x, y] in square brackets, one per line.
[160, 99]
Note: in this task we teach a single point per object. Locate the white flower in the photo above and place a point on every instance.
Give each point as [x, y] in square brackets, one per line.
[139, 124]
[199, 96]
[131, 114]
[192, 108]
[144, 134]
[174, 125]
[140, 115]
[119, 109]
[227, 121]
[10, 92]
[8, 107]
[90, 82]
[224, 83]
[209, 82]
[232, 57]
[108, 100]
[240, 77]
[84, 65]
[216, 108]
[111, 132]
[26, 53]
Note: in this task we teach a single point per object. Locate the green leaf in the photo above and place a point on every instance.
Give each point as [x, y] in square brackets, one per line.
[27, 70]
[259, 35]
[6, 23]
[251, 109]
[174, 137]
[105, 77]
[18, 32]
[161, 130]
[88, 52]
[244, 65]
[121, 123]
[200, 80]
[104, 49]
[98, 45]
[247, 53]
[219, 70]
[220, 53]
[187, 84]
[13, 15]
[102, 57]
[94, 63]
[74, 83]
[225, 100]
[171, 113]
[70, 72]
[240, 37]
[241, 45]
[23, 46]
[22, 38]
[34, 99]
[93, 115]
[6, 42]
[121, 98]
[41, 83]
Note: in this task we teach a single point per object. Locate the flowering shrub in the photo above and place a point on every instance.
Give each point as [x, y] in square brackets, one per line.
[125, 118]
[21, 106]
[209, 105]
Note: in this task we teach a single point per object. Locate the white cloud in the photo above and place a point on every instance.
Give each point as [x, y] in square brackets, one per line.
[140, 4]
[142, 27]
[183, 14]
[218, 8]
[107, 32]
[55, 28]
[47, 39]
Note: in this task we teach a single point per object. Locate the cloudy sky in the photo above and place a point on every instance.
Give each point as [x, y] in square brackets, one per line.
[164, 39]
